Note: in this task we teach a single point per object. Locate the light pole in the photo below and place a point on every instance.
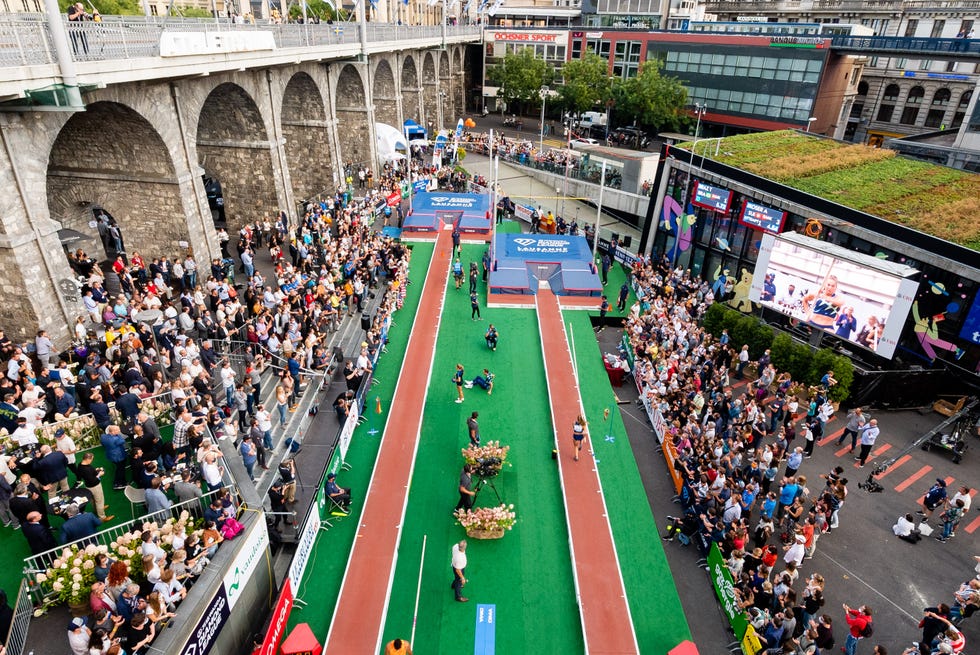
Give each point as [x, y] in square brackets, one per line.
[809, 122]
[543, 92]
[699, 111]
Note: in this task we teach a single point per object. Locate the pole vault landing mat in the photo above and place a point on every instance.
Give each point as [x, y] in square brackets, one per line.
[470, 212]
[520, 262]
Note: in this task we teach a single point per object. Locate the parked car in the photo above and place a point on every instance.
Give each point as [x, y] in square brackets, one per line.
[583, 142]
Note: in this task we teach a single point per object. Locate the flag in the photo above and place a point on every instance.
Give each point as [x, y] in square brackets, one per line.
[482, 7]
[493, 10]
[467, 6]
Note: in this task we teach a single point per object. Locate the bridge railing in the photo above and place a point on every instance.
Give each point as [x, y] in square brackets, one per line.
[25, 38]
[908, 44]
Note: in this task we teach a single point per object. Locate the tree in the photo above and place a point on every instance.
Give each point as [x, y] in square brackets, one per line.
[520, 76]
[587, 84]
[653, 99]
[108, 7]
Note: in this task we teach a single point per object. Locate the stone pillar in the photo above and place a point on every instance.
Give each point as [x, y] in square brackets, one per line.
[38, 286]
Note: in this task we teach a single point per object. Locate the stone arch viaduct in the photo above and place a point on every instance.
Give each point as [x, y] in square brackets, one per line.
[272, 136]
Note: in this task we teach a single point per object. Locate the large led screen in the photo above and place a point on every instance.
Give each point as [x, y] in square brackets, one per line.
[858, 298]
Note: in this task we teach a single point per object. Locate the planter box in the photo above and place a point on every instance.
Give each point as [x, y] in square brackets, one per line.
[478, 533]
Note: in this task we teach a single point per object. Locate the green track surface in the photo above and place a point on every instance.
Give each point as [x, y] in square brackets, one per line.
[527, 574]
[658, 617]
[325, 570]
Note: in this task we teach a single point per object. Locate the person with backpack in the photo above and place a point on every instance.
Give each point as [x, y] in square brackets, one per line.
[859, 625]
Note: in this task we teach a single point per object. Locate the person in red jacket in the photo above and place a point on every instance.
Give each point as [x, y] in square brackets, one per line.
[857, 622]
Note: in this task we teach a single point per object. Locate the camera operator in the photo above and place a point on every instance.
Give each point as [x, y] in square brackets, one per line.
[79, 39]
[466, 494]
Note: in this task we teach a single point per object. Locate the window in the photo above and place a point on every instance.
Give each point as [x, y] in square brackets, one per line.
[966, 27]
[965, 99]
[909, 114]
[941, 98]
[885, 113]
[937, 29]
[862, 88]
[911, 26]
[891, 93]
[856, 109]
[934, 118]
[915, 95]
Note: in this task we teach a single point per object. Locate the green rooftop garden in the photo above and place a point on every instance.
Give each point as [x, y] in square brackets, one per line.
[937, 200]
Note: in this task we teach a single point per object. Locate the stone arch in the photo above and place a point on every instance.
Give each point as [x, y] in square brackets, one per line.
[112, 157]
[410, 90]
[429, 90]
[351, 106]
[233, 147]
[385, 95]
[305, 129]
[445, 91]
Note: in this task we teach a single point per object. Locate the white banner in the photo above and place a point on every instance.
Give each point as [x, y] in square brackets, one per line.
[303, 549]
[343, 443]
[523, 212]
[256, 545]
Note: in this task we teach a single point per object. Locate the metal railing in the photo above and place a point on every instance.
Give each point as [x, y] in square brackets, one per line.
[40, 563]
[970, 48]
[16, 638]
[25, 39]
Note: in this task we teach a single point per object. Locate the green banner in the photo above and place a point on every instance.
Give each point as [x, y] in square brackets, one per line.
[721, 579]
[628, 347]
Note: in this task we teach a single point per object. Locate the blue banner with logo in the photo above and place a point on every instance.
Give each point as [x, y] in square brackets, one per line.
[545, 247]
[420, 186]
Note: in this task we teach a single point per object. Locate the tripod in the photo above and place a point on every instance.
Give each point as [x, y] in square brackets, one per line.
[485, 482]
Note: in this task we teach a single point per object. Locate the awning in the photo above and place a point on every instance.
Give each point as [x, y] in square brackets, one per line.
[69, 237]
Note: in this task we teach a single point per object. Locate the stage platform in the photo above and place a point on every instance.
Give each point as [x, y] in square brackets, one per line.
[521, 261]
[470, 212]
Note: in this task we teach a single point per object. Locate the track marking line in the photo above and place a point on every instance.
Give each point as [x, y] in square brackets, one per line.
[909, 481]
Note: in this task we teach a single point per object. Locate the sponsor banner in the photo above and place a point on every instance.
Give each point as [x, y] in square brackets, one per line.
[531, 37]
[721, 580]
[304, 547]
[486, 630]
[256, 545]
[523, 212]
[420, 186]
[208, 626]
[343, 443]
[670, 455]
[280, 620]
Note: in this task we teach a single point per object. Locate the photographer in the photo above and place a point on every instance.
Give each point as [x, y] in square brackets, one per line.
[466, 494]
[79, 40]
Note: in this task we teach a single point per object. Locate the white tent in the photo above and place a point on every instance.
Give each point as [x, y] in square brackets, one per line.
[388, 140]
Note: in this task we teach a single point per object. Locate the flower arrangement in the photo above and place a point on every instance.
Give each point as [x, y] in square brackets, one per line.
[86, 434]
[489, 450]
[70, 576]
[489, 519]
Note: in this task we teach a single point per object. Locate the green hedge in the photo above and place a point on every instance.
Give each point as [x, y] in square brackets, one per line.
[803, 363]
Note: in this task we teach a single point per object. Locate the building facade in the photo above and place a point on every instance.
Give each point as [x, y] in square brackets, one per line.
[897, 96]
[747, 81]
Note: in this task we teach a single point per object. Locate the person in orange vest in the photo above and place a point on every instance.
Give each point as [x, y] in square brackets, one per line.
[398, 647]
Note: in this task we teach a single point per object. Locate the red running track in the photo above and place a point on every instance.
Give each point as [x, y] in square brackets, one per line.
[605, 614]
[359, 618]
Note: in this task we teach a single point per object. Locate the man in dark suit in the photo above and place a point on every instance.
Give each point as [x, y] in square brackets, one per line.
[25, 501]
[38, 535]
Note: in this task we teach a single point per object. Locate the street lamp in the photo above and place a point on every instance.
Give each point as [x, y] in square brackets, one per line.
[543, 92]
[809, 122]
[700, 110]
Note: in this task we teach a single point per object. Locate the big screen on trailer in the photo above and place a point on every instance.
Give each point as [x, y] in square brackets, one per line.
[861, 299]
